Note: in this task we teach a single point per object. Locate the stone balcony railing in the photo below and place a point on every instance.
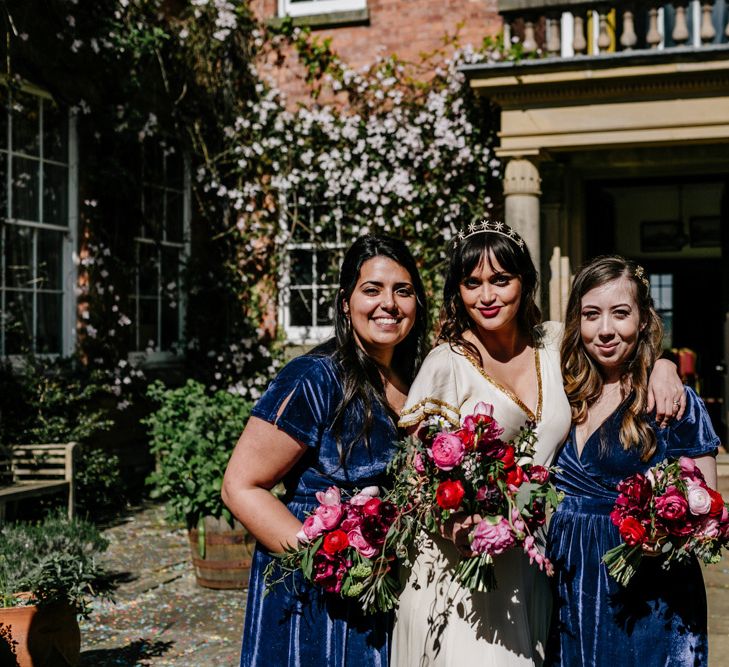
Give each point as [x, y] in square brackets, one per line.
[567, 28]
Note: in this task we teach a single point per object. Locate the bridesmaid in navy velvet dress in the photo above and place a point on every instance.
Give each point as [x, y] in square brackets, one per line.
[327, 419]
[612, 337]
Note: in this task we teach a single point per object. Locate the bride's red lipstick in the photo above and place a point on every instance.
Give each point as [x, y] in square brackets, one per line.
[490, 312]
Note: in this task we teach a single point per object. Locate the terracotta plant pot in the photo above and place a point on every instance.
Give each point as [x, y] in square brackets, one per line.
[222, 555]
[32, 636]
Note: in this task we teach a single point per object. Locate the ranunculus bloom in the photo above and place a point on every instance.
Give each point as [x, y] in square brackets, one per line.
[632, 531]
[671, 505]
[312, 527]
[699, 500]
[515, 476]
[508, 457]
[538, 474]
[492, 536]
[450, 494]
[357, 540]
[330, 515]
[335, 542]
[372, 507]
[717, 503]
[332, 496]
[447, 451]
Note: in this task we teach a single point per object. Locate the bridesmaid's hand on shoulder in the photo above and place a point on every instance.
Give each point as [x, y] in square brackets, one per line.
[665, 392]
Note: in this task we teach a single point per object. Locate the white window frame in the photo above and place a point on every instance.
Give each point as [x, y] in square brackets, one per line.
[312, 7]
[157, 353]
[69, 245]
[315, 333]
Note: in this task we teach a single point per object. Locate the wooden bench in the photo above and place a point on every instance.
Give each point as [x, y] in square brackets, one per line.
[28, 471]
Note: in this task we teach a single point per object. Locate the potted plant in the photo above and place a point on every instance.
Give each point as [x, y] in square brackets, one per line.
[49, 572]
[192, 436]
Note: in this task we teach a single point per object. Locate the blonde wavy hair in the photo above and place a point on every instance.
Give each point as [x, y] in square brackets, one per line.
[583, 380]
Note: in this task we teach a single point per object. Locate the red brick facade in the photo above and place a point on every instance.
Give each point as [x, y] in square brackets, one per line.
[406, 28]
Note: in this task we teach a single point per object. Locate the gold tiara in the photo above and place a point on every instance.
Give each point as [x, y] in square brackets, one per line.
[489, 226]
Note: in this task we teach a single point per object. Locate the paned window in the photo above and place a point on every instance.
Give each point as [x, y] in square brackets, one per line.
[161, 247]
[309, 7]
[309, 281]
[37, 224]
[662, 293]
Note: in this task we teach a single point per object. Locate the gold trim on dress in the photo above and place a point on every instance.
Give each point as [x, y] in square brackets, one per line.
[506, 390]
[429, 406]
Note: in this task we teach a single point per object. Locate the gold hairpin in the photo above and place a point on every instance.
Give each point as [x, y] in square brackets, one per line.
[489, 226]
[640, 275]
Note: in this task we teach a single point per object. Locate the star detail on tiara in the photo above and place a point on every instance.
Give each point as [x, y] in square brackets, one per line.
[489, 226]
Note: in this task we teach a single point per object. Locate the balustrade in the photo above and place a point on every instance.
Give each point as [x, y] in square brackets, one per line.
[566, 27]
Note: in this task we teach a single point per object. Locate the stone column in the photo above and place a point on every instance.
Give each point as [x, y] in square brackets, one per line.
[521, 203]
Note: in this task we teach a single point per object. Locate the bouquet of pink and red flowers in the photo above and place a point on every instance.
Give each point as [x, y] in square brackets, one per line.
[472, 470]
[347, 547]
[668, 512]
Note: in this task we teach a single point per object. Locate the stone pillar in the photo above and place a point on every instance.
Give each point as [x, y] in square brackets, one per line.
[521, 203]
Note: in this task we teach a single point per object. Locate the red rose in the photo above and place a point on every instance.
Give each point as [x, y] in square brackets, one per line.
[507, 458]
[466, 437]
[372, 507]
[632, 531]
[450, 494]
[515, 476]
[717, 503]
[335, 542]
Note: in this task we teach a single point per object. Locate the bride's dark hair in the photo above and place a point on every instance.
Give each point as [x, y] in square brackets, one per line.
[361, 379]
[467, 256]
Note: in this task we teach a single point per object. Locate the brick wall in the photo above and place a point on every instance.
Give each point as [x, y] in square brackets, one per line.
[404, 27]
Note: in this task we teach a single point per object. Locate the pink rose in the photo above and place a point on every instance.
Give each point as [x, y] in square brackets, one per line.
[699, 500]
[329, 515]
[364, 495]
[418, 464]
[447, 451]
[363, 547]
[671, 505]
[311, 528]
[492, 536]
[332, 496]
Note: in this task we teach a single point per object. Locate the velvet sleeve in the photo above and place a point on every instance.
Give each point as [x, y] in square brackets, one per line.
[693, 435]
[308, 382]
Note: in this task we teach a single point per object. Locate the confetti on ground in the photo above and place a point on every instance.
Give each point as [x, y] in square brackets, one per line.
[160, 616]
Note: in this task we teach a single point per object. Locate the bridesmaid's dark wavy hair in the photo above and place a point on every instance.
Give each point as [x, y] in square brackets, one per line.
[467, 256]
[583, 378]
[361, 377]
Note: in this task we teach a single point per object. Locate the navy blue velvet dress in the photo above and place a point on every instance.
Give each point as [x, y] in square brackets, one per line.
[660, 618]
[310, 627]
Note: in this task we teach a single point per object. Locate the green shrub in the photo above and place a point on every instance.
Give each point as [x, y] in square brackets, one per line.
[100, 490]
[55, 560]
[192, 435]
[56, 400]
